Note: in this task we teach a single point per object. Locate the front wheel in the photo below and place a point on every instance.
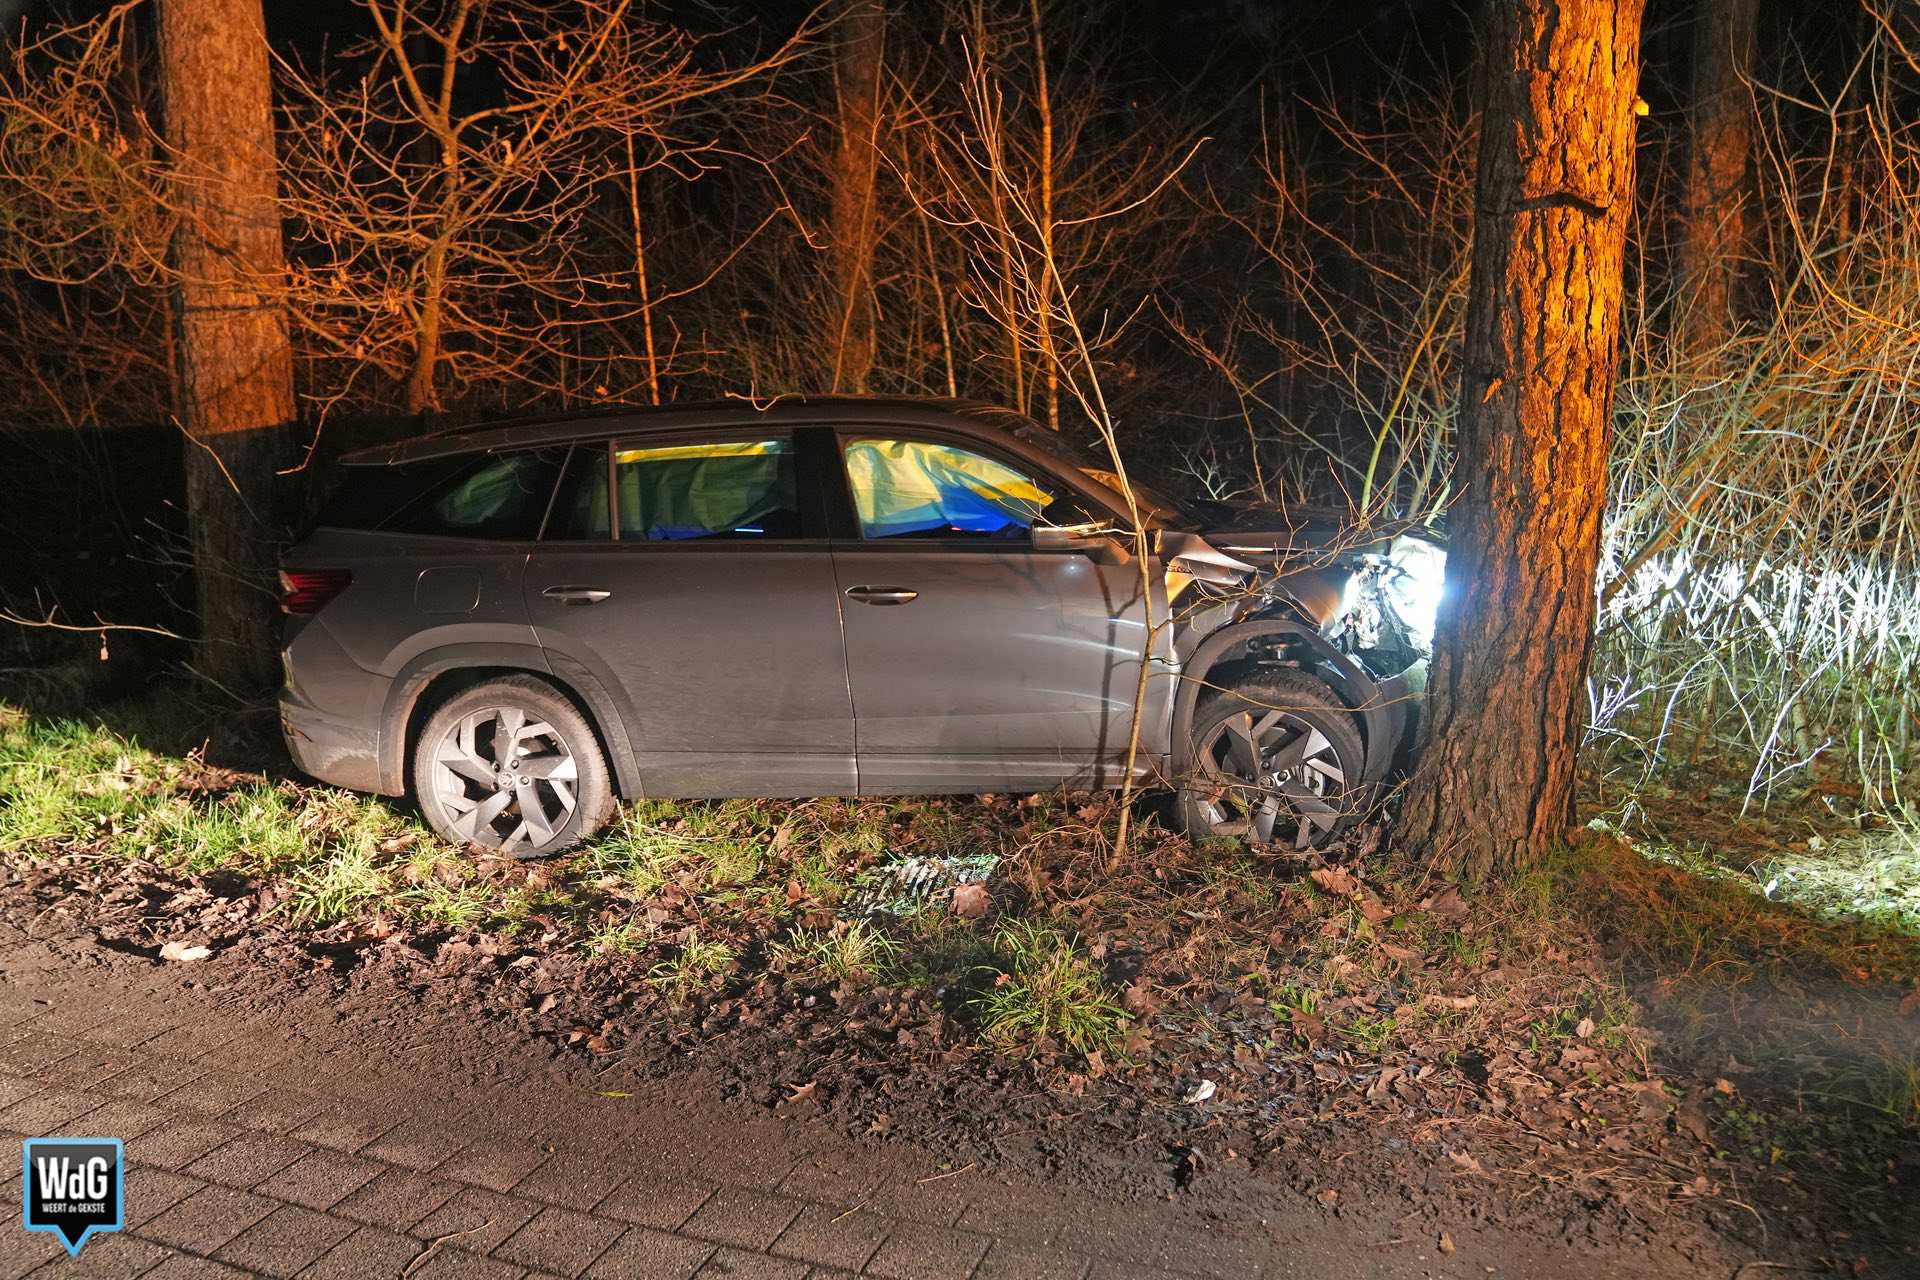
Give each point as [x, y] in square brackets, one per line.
[511, 765]
[1277, 760]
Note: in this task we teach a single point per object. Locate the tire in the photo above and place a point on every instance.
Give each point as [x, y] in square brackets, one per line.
[1306, 737]
[563, 798]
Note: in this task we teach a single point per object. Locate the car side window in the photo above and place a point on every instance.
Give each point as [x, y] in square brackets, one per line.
[738, 489]
[499, 496]
[582, 510]
[925, 489]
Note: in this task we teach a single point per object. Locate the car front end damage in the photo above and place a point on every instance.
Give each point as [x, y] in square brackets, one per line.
[1351, 608]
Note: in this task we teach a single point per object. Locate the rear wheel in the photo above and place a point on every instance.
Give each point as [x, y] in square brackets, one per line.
[1277, 760]
[511, 765]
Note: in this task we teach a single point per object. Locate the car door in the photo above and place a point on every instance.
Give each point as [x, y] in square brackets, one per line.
[693, 581]
[976, 659]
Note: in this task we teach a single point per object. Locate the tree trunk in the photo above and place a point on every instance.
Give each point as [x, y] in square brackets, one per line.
[236, 367]
[862, 49]
[1715, 212]
[1494, 786]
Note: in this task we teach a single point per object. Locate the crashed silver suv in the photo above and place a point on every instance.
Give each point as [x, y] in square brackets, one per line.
[519, 624]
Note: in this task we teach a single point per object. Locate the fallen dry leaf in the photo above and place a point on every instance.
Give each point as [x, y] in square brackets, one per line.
[1451, 1002]
[1446, 904]
[183, 952]
[1335, 880]
[1446, 1242]
[970, 900]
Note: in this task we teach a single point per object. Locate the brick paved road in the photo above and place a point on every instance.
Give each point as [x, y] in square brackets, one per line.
[248, 1154]
[339, 1136]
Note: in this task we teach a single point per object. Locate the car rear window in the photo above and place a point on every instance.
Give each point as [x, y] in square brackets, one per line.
[491, 495]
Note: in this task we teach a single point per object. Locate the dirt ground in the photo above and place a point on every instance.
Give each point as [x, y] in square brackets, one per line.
[1435, 1177]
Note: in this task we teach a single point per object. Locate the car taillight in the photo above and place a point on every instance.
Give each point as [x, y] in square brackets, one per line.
[304, 591]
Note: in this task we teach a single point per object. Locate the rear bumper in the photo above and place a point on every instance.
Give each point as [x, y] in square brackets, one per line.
[336, 751]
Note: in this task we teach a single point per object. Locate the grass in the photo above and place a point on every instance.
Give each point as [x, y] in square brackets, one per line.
[700, 896]
[848, 952]
[1044, 991]
[691, 970]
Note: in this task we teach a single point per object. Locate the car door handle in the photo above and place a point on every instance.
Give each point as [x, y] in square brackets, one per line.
[881, 595]
[576, 595]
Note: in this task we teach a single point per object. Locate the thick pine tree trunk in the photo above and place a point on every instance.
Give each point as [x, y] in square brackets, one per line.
[851, 321]
[1715, 215]
[1506, 700]
[236, 367]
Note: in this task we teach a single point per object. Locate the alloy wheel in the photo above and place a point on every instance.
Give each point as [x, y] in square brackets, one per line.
[506, 780]
[1270, 776]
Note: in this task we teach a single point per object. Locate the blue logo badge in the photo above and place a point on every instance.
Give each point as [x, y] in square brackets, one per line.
[72, 1187]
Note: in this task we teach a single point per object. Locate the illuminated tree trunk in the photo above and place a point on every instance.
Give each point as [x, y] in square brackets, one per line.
[862, 50]
[1506, 700]
[236, 367]
[1716, 208]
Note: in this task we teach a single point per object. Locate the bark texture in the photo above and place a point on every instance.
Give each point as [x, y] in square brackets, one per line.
[236, 367]
[861, 52]
[1716, 212]
[1506, 699]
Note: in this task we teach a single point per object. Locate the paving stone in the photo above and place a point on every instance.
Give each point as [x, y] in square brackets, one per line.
[183, 1266]
[178, 1143]
[15, 1088]
[114, 1256]
[130, 1031]
[151, 1192]
[1006, 1261]
[742, 1218]
[35, 1054]
[189, 1041]
[247, 1159]
[737, 1264]
[367, 1251]
[52, 1111]
[416, 1144]
[214, 1095]
[920, 1252]
[643, 1254]
[457, 1264]
[285, 1241]
[1111, 1270]
[23, 1252]
[481, 1218]
[320, 1179]
[207, 1219]
[570, 1181]
[842, 1178]
[560, 1240]
[833, 1237]
[150, 1081]
[74, 1021]
[492, 1165]
[276, 1111]
[397, 1199]
[647, 1201]
[343, 1130]
[126, 1120]
[92, 1066]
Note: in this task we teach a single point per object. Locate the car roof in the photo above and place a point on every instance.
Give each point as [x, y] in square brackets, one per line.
[970, 417]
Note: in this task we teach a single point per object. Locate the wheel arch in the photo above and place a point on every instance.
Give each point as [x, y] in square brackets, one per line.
[1379, 719]
[433, 677]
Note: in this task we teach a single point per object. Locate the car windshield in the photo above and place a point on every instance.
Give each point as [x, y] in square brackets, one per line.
[1101, 472]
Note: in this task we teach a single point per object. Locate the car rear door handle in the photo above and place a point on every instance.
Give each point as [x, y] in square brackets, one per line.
[881, 595]
[576, 595]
